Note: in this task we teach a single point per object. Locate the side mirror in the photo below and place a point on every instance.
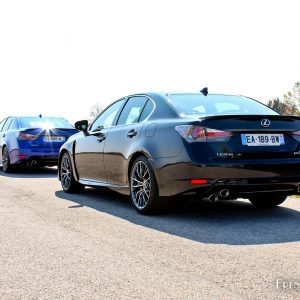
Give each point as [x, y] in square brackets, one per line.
[82, 125]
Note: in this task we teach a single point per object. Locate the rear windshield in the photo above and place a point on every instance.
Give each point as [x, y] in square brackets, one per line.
[196, 105]
[47, 123]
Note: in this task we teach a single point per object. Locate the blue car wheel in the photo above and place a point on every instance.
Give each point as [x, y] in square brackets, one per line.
[6, 165]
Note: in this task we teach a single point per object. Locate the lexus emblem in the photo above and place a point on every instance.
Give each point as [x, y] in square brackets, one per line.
[265, 123]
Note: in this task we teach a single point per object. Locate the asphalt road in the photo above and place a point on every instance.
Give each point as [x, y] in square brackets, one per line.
[95, 246]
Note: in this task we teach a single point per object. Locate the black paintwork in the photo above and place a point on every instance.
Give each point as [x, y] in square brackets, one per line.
[105, 157]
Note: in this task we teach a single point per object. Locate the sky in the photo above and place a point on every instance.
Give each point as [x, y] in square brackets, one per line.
[59, 58]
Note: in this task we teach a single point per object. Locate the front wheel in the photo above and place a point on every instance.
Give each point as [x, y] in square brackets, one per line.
[144, 189]
[270, 200]
[68, 182]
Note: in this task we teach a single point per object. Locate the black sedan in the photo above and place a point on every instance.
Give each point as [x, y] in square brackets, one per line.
[210, 146]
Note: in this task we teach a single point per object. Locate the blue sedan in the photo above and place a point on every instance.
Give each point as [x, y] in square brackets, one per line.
[32, 140]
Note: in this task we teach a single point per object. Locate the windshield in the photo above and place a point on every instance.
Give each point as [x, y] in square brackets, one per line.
[47, 123]
[189, 105]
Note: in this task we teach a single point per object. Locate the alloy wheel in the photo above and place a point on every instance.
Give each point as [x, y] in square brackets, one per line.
[66, 170]
[140, 184]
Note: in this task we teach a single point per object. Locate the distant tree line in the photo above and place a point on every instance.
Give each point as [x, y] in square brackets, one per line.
[289, 104]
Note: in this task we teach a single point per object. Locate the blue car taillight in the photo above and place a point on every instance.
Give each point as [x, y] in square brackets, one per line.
[193, 133]
[27, 137]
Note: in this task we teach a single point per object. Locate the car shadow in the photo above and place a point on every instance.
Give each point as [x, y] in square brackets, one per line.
[224, 222]
[33, 172]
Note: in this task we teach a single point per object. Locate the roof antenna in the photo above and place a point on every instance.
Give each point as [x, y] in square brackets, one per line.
[204, 91]
[40, 115]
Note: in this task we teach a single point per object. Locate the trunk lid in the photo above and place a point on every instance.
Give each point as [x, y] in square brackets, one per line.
[44, 138]
[255, 136]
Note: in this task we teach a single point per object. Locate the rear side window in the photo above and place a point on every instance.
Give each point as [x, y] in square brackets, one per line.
[132, 110]
[147, 110]
[189, 105]
[7, 124]
[2, 124]
[47, 123]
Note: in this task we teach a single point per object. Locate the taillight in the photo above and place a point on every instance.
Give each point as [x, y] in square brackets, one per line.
[296, 135]
[193, 133]
[27, 136]
[217, 133]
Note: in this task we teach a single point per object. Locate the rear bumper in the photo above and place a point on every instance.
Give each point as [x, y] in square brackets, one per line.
[242, 178]
[47, 157]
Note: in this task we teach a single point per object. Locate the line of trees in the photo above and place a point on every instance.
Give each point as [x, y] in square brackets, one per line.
[289, 104]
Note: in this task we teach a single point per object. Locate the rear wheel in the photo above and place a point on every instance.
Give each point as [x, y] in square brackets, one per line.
[6, 165]
[144, 189]
[68, 182]
[270, 200]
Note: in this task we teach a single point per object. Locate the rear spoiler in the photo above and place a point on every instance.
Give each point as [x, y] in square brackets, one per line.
[252, 117]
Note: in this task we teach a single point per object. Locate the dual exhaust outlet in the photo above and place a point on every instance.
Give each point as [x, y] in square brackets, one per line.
[224, 193]
[221, 194]
[31, 163]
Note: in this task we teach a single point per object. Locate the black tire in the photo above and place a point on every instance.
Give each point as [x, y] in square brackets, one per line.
[6, 165]
[143, 188]
[268, 200]
[68, 182]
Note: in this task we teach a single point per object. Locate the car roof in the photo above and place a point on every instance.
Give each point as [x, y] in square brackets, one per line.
[165, 94]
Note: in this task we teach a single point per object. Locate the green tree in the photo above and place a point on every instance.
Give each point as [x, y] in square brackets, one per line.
[290, 103]
[293, 97]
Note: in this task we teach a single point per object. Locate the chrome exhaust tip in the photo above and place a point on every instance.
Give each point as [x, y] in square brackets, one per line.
[224, 193]
[213, 198]
[33, 162]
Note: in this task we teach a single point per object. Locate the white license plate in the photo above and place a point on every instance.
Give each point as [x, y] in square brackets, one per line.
[54, 139]
[266, 139]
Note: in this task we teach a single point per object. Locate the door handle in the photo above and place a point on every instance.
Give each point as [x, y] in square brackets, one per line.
[132, 133]
[101, 138]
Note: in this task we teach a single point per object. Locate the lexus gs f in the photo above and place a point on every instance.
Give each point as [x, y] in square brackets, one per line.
[32, 140]
[156, 145]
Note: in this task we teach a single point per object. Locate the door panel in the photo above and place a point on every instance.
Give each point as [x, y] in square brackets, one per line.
[117, 150]
[89, 148]
[121, 139]
[89, 157]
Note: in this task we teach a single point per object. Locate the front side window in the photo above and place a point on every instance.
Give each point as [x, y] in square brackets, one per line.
[132, 110]
[189, 105]
[106, 119]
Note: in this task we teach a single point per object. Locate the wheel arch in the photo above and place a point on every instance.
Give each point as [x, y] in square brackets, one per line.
[133, 158]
